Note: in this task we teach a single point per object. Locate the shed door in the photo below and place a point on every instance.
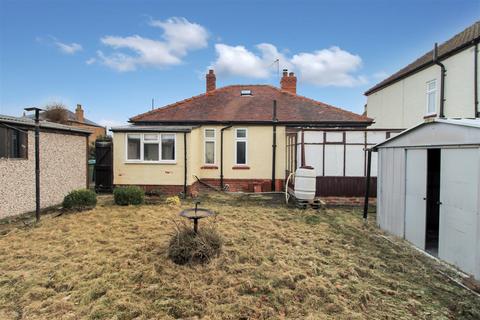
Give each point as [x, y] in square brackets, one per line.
[415, 194]
[458, 211]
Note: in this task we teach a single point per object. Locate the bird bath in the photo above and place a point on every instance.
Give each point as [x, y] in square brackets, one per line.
[196, 214]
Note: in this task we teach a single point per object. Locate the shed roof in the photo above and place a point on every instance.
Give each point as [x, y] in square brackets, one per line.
[24, 121]
[452, 131]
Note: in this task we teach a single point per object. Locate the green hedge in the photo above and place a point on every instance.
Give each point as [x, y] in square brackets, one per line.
[80, 200]
[128, 195]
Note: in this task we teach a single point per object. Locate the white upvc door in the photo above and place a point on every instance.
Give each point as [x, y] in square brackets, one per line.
[415, 195]
[459, 208]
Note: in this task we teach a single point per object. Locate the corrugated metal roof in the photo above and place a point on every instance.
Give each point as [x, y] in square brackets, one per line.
[138, 128]
[461, 122]
[467, 122]
[43, 124]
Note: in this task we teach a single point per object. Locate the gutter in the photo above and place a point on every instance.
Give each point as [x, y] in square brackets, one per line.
[185, 164]
[221, 155]
[476, 112]
[442, 80]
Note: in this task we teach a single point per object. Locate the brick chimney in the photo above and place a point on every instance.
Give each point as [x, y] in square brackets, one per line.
[211, 80]
[288, 82]
[79, 113]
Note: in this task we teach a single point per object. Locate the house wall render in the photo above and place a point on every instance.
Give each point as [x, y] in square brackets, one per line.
[403, 103]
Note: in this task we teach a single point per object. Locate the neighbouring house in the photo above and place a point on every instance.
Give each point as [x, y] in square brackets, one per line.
[77, 119]
[234, 137]
[441, 83]
[63, 163]
[429, 189]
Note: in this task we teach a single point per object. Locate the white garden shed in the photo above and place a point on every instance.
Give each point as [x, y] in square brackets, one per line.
[428, 189]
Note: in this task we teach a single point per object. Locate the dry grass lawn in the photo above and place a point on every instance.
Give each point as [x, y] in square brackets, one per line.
[277, 263]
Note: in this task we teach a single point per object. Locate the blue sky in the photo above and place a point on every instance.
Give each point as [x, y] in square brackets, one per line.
[113, 57]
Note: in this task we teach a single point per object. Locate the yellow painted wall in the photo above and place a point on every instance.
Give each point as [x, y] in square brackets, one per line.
[259, 153]
[146, 173]
[259, 158]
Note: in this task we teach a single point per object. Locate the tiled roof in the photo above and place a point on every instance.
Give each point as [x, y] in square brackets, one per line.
[465, 38]
[135, 128]
[24, 121]
[227, 105]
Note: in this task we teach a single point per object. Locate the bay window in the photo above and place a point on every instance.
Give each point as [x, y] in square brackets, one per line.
[151, 147]
[241, 146]
[209, 147]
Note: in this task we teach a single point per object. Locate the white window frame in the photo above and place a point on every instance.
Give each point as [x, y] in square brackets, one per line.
[143, 142]
[428, 92]
[245, 139]
[209, 139]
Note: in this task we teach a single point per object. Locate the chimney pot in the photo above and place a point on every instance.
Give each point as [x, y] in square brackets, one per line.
[288, 82]
[211, 80]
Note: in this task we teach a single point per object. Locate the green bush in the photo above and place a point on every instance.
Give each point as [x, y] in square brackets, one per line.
[82, 199]
[188, 247]
[124, 196]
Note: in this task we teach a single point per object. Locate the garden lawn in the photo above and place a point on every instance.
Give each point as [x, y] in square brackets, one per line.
[277, 263]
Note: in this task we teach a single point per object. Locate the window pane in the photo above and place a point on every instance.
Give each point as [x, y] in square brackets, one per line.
[241, 152]
[3, 142]
[209, 152]
[150, 136]
[168, 147]
[133, 147]
[209, 133]
[432, 85]
[14, 144]
[431, 102]
[23, 145]
[241, 133]
[150, 152]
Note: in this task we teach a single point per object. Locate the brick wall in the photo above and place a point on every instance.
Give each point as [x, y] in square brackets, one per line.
[96, 132]
[235, 185]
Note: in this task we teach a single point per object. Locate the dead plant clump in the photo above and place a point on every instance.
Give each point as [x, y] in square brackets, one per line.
[188, 247]
[276, 263]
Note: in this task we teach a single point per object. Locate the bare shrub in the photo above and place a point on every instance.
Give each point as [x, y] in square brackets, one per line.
[188, 247]
[56, 112]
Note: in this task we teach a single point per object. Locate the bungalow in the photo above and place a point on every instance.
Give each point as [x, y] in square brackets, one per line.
[234, 137]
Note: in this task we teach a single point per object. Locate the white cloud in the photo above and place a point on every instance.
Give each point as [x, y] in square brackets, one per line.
[68, 48]
[242, 62]
[179, 37]
[109, 123]
[326, 67]
[91, 61]
[329, 67]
